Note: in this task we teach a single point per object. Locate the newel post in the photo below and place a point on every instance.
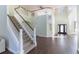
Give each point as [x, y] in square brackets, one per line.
[21, 41]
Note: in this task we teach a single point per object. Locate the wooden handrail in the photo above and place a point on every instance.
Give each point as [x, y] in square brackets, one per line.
[13, 23]
[24, 19]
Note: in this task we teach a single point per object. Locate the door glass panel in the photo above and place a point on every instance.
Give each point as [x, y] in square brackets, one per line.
[61, 28]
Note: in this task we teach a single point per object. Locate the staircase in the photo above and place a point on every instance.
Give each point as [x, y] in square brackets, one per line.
[27, 42]
[26, 34]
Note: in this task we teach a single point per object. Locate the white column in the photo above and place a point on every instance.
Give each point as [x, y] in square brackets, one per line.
[53, 23]
[78, 27]
[72, 17]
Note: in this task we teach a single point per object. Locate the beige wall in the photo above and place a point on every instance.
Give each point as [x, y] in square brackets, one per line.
[10, 9]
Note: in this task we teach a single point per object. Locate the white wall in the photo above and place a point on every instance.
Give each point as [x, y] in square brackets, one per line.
[41, 26]
[13, 38]
[78, 25]
[60, 16]
[66, 16]
[3, 22]
[5, 32]
[72, 17]
[43, 19]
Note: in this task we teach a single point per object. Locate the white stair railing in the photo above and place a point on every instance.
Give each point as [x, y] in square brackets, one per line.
[29, 30]
[35, 37]
[25, 26]
[20, 38]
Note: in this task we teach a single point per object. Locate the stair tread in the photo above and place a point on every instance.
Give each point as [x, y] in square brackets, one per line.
[29, 48]
[27, 44]
[16, 22]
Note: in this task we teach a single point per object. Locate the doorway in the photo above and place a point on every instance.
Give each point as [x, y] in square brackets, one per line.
[62, 29]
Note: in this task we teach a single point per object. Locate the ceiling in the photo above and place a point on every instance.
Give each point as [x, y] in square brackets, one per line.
[37, 7]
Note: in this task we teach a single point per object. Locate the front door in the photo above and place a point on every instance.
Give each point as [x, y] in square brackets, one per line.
[62, 28]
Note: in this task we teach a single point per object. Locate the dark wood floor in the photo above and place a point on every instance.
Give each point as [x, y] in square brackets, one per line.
[61, 45]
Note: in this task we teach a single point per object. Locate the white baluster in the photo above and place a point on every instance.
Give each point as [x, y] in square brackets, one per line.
[21, 41]
[35, 37]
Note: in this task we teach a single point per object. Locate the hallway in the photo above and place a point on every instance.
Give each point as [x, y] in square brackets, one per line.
[60, 45]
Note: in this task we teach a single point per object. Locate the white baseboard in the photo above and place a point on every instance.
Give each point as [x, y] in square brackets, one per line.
[41, 35]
